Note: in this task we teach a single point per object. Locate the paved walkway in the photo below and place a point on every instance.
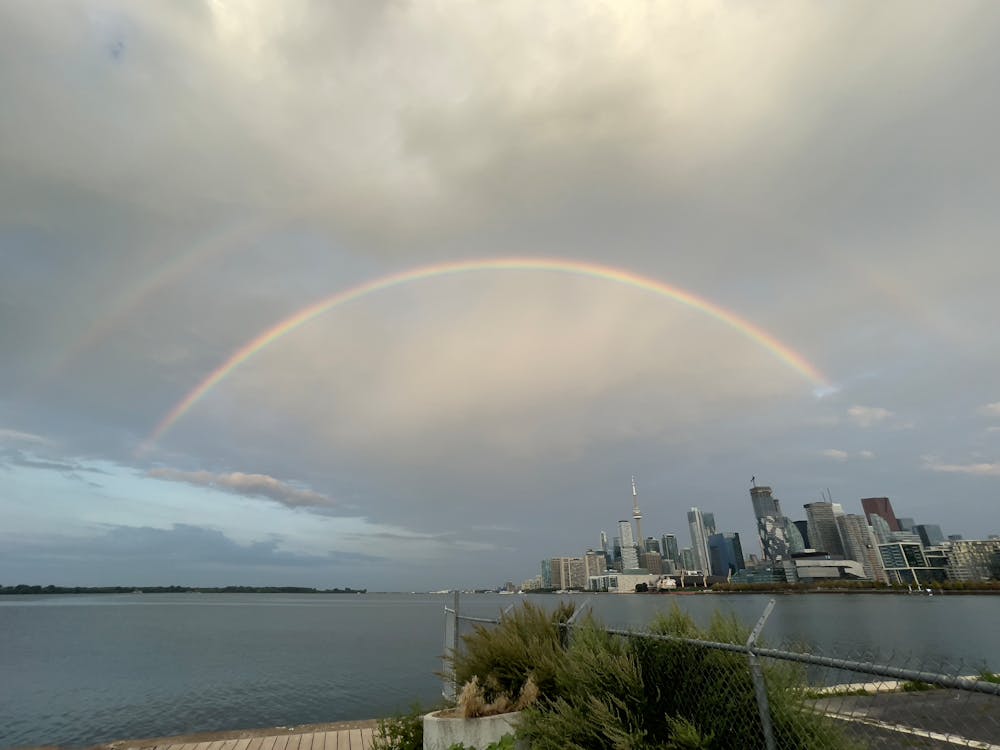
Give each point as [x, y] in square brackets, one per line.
[343, 739]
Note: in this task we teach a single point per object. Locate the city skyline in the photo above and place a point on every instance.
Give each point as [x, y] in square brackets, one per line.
[863, 542]
[390, 295]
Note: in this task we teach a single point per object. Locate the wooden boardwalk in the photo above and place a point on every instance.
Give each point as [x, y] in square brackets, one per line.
[343, 739]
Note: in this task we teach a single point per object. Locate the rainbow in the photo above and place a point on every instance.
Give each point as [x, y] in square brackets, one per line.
[780, 350]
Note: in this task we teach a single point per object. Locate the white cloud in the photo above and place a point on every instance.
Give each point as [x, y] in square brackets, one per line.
[990, 410]
[866, 416]
[835, 454]
[867, 455]
[253, 485]
[16, 436]
[982, 469]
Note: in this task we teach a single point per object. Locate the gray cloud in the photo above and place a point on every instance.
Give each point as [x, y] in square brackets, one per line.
[176, 179]
[253, 485]
[182, 553]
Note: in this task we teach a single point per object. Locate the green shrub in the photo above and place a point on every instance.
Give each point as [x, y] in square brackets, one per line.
[401, 732]
[526, 644]
[643, 693]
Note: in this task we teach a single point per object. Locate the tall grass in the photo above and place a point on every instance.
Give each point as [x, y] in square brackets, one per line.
[599, 690]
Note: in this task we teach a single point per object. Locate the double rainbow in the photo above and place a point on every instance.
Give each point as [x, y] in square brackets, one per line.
[780, 350]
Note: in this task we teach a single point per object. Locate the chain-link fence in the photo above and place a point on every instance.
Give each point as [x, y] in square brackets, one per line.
[724, 693]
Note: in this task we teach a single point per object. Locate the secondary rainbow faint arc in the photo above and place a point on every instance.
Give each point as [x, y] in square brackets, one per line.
[578, 268]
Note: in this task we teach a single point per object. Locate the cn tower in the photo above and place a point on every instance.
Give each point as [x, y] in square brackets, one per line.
[637, 515]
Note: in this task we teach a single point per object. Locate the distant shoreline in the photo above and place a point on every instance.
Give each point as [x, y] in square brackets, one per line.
[24, 590]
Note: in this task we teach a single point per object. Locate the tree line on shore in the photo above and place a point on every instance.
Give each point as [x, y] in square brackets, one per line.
[50, 589]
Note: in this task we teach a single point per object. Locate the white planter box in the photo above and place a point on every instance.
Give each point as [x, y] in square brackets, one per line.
[441, 732]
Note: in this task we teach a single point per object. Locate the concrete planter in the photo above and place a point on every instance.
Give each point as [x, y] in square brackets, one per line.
[443, 731]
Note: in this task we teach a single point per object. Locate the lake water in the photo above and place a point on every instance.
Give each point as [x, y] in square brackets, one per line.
[78, 670]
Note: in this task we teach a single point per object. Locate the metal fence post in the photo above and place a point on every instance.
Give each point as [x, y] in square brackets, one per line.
[759, 686]
[449, 687]
[568, 628]
[454, 649]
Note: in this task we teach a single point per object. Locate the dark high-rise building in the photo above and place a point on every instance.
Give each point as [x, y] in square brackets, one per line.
[708, 520]
[930, 534]
[669, 549]
[906, 524]
[725, 554]
[651, 545]
[803, 527]
[880, 506]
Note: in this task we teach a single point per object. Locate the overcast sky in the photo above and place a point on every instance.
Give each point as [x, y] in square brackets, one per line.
[178, 178]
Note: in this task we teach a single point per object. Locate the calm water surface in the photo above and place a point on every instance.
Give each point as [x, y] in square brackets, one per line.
[77, 670]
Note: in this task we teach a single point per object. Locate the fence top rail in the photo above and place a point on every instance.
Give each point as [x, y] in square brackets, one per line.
[469, 618]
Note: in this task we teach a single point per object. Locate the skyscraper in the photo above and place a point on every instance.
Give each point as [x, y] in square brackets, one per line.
[669, 549]
[764, 503]
[880, 506]
[708, 521]
[594, 562]
[823, 530]
[772, 526]
[699, 540]
[630, 556]
[725, 553]
[860, 545]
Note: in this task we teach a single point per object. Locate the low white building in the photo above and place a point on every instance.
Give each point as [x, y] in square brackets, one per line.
[621, 583]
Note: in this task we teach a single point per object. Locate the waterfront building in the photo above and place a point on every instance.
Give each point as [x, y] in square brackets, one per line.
[546, 574]
[823, 530]
[669, 548]
[881, 507]
[958, 537]
[569, 573]
[699, 539]
[861, 546]
[880, 527]
[822, 568]
[687, 559]
[595, 563]
[930, 534]
[621, 583]
[772, 526]
[725, 554]
[532, 584]
[803, 527]
[764, 502]
[629, 554]
[974, 560]
[905, 564]
[652, 545]
[651, 561]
